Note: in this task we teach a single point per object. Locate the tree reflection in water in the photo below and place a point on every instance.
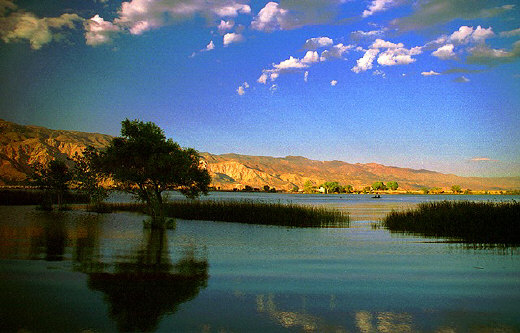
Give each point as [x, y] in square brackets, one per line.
[140, 291]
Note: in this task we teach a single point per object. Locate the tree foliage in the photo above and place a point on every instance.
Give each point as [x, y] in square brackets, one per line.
[88, 176]
[53, 179]
[392, 185]
[379, 186]
[456, 189]
[145, 163]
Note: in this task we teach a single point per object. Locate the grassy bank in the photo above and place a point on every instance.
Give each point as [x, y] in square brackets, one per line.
[15, 197]
[472, 222]
[251, 212]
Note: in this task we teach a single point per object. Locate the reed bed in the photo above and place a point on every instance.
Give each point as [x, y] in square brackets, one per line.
[466, 221]
[251, 212]
[16, 197]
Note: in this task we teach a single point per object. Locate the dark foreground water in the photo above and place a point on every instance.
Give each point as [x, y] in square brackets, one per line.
[75, 271]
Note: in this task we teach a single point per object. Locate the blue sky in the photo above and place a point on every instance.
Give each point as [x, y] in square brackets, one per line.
[422, 84]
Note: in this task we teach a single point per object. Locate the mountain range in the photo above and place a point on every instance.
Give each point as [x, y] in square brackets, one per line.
[21, 146]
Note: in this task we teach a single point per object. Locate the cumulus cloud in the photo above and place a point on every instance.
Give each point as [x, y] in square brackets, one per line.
[461, 79]
[430, 73]
[432, 12]
[225, 26]
[365, 63]
[317, 42]
[306, 76]
[445, 52]
[378, 6]
[38, 31]
[336, 51]
[98, 31]
[378, 72]
[291, 63]
[273, 88]
[270, 18]
[333, 83]
[310, 57]
[139, 16]
[263, 78]
[232, 37]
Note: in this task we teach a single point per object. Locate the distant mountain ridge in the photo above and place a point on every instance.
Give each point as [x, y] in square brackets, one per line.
[22, 146]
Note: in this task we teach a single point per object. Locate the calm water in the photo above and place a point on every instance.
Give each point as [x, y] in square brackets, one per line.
[75, 271]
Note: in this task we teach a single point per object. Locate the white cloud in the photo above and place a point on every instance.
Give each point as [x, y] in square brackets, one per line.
[306, 76]
[232, 38]
[379, 43]
[430, 73]
[365, 63]
[333, 83]
[98, 31]
[317, 42]
[291, 63]
[225, 26]
[378, 6]
[271, 18]
[445, 52]
[38, 31]
[357, 35]
[310, 57]
[139, 16]
[210, 46]
[241, 90]
[274, 75]
[336, 51]
[510, 33]
[462, 35]
[262, 78]
[480, 34]
[273, 88]
[395, 54]
[461, 79]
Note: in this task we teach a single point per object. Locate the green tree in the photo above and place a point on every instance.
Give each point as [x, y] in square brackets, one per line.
[331, 187]
[145, 163]
[88, 176]
[309, 187]
[53, 179]
[425, 190]
[456, 189]
[379, 186]
[392, 185]
[348, 188]
[266, 188]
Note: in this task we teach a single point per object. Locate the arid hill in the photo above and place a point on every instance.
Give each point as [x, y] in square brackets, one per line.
[22, 146]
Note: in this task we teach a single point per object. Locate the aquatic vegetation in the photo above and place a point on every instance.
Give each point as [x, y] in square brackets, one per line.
[251, 212]
[471, 222]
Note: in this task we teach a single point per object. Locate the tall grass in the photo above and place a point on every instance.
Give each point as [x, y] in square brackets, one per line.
[472, 222]
[251, 212]
[15, 197]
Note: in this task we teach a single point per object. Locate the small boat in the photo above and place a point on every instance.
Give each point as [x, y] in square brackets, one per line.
[377, 196]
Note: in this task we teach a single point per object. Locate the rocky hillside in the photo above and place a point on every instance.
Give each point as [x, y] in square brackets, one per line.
[22, 146]
[231, 170]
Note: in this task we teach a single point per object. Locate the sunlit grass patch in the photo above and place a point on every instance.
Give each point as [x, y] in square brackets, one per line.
[472, 222]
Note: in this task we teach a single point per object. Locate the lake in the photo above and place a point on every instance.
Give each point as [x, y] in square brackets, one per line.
[79, 271]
